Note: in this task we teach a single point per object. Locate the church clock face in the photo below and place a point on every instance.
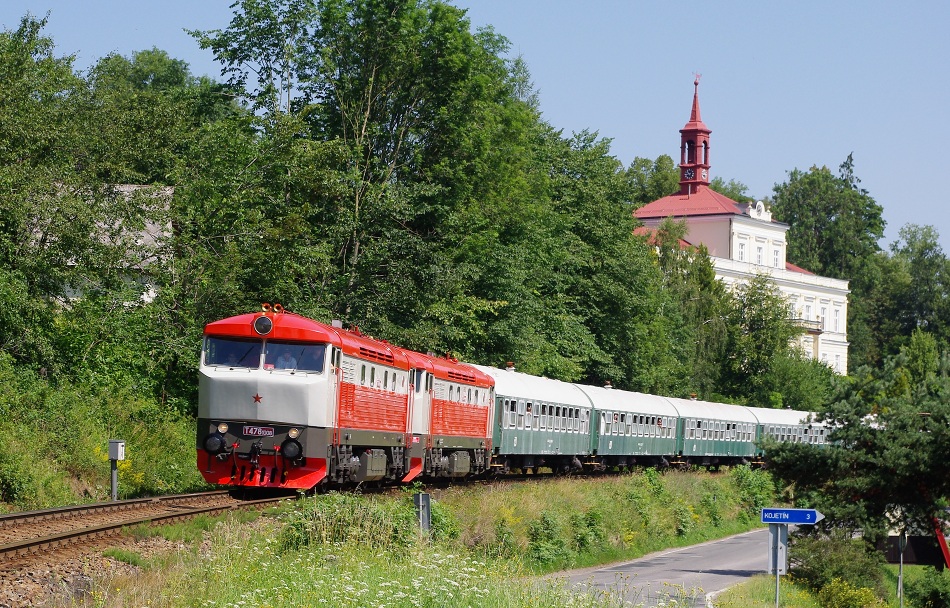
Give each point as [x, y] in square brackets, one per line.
[705, 174]
[689, 174]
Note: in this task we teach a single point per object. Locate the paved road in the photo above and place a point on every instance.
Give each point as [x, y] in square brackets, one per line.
[697, 570]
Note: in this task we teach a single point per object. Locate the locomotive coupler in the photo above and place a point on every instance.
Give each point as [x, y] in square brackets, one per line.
[255, 453]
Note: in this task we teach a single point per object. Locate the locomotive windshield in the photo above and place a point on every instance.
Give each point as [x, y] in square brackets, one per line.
[294, 356]
[280, 355]
[232, 352]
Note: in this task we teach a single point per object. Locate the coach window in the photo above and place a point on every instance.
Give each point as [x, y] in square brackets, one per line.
[386, 379]
[372, 376]
[363, 375]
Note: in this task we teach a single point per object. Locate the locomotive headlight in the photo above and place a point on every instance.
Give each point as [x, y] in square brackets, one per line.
[263, 325]
[222, 427]
[293, 433]
[215, 443]
[291, 449]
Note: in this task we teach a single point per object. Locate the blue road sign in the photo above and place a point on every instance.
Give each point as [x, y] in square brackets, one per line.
[791, 516]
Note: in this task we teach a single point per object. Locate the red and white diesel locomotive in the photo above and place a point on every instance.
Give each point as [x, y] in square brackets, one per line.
[285, 401]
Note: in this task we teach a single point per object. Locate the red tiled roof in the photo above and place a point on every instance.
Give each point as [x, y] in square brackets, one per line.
[704, 202]
[793, 268]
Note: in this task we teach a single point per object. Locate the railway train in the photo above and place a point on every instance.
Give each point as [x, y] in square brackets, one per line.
[289, 402]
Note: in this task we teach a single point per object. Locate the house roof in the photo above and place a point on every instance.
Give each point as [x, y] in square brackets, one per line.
[793, 268]
[705, 201]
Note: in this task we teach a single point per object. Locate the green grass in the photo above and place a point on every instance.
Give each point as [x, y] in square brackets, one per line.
[490, 546]
[759, 592]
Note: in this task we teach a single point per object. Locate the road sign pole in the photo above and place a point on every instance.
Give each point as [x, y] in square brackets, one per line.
[778, 553]
[776, 536]
[778, 521]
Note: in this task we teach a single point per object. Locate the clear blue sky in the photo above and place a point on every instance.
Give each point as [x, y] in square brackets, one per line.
[784, 85]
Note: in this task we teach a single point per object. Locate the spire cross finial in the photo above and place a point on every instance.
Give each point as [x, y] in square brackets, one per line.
[696, 82]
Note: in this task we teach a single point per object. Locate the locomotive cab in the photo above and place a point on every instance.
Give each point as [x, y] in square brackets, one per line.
[262, 381]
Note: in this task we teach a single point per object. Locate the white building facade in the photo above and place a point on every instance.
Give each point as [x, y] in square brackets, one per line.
[744, 241]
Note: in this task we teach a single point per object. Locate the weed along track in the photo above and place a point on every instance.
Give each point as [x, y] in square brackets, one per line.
[24, 537]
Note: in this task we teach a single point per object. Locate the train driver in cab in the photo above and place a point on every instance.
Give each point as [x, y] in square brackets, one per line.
[285, 360]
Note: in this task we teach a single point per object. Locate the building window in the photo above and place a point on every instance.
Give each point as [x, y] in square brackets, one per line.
[808, 312]
[775, 258]
[824, 315]
[838, 363]
[758, 256]
[837, 318]
[742, 252]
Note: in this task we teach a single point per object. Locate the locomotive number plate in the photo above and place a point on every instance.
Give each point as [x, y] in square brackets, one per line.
[258, 431]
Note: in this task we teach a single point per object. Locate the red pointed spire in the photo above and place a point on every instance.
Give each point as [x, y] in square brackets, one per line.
[695, 120]
[694, 149]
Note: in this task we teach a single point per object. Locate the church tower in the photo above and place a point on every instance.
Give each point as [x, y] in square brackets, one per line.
[694, 149]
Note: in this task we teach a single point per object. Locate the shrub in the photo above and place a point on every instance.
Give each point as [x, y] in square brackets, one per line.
[931, 590]
[504, 545]
[685, 518]
[347, 518]
[711, 508]
[588, 530]
[444, 524]
[546, 545]
[16, 483]
[817, 561]
[755, 489]
[842, 594]
[654, 482]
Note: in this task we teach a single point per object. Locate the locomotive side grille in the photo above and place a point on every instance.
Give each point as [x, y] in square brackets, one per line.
[462, 377]
[376, 355]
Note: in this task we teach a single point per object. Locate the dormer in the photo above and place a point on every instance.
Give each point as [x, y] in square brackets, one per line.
[756, 210]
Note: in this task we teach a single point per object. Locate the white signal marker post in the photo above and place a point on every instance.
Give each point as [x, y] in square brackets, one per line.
[116, 453]
[778, 521]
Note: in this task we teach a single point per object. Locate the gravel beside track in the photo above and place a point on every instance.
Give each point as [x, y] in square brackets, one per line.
[66, 575]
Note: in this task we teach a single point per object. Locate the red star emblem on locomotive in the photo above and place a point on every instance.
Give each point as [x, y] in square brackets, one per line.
[257, 398]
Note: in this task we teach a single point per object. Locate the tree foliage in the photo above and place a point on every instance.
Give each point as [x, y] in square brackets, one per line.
[887, 460]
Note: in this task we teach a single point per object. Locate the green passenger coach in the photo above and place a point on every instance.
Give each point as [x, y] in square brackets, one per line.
[631, 428]
[539, 422]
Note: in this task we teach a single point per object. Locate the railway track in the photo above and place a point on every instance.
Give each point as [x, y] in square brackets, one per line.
[23, 535]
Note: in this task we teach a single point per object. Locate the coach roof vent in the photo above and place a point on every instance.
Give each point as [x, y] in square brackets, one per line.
[337, 323]
[510, 366]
